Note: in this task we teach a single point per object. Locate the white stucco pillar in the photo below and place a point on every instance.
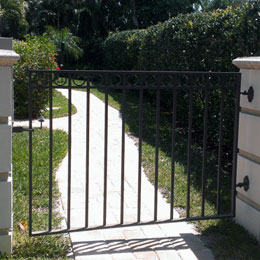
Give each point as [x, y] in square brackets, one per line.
[7, 58]
[248, 202]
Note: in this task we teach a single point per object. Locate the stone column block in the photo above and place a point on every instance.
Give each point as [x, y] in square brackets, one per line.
[248, 202]
[249, 130]
[248, 216]
[251, 168]
[6, 204]
[5, 92]
[5, 242]
[5, 149]
[7, 58]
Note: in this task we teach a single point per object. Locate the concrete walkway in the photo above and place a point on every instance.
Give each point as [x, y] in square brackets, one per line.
[164, 241]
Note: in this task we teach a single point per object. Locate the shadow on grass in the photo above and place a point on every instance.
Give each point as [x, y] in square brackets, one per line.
[227, 234]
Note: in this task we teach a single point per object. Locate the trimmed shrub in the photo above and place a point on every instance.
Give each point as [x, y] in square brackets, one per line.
[206, 41]
[35, 53]
[202, 41]
[121, 49]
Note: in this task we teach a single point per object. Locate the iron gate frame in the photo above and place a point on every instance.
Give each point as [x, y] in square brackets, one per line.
[52, 76]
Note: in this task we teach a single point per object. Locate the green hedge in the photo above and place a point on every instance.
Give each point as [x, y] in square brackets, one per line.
[35, 53]
[199, 41]
[203, 42]
[121, 49]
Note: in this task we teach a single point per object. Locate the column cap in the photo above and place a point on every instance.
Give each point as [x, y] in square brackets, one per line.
[247, 62]
[8, 57]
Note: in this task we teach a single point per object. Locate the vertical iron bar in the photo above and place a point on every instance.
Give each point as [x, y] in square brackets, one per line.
[235, 146]
[189, 152]
[69, 155]
[220, 149]
[105, 152]
[173, 151]
[205, 144]
[30, 152]
[50, 151]
[141, 94]
[87, 152]
[157, 142]
[123, 152]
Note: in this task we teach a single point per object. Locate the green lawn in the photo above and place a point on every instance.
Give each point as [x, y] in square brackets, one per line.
[60, 106]
[226, 239]
[45, 247]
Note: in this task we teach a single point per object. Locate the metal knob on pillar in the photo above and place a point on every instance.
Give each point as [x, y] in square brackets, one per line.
[244, 184]
[249, 94]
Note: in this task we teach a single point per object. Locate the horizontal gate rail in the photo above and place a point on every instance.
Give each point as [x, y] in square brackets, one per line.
[55, 232]
[201, 85]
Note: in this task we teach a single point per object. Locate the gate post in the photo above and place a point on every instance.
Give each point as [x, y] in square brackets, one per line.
[7, 58]
[248, 202]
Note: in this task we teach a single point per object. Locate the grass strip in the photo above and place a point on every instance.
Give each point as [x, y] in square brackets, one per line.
[60, 106]
[44, 247]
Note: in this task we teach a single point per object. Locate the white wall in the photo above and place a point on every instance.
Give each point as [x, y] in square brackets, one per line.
[7, 59]
[248, 202]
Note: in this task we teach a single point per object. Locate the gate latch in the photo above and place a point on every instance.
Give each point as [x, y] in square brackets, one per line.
[20, 129]
[249, 94]
[244, 184]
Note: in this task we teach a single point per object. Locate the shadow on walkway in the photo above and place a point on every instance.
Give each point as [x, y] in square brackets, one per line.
[184, 246]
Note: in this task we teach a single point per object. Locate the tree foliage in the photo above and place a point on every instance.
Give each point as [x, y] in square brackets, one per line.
[87, 17]
[42, 13]
[210, 5]
[12, 19]
[92, 20]
[66, 43]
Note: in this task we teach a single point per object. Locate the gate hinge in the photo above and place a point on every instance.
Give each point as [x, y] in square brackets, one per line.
[249, 94]
[20, 129]
[244, 184]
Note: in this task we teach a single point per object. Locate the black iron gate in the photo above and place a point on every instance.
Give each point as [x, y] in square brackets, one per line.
[194, 114]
